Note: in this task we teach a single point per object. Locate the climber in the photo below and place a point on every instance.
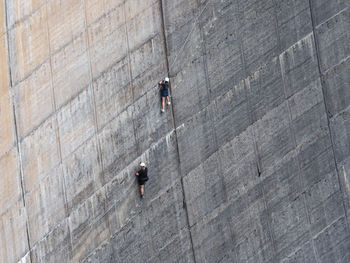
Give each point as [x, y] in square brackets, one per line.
[164, 89]
[142, 178]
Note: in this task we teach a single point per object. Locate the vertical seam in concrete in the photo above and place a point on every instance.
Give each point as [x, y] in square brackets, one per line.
[210, 100]
[55, 112]
[325, 103]
[259, 170]
[54, 105]
[277, 28]
[208, 85]
[246, 80]
[328, 121]
[176, 205]
[291, 127]
[162, 13]
[131, 79]
[18, 143]
[206, 74]
[18, 146]
[91, 85]
[52, 86]
[256, 152]
[204, 52]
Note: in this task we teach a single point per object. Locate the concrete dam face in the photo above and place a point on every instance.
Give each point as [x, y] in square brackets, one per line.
[249, 163]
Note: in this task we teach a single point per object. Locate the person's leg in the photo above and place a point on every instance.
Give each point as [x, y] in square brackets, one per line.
[142, 189]
[168, 100]
[163, 103]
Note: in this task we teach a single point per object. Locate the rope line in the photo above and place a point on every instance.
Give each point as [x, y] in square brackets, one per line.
[187, 38]
[189, 34]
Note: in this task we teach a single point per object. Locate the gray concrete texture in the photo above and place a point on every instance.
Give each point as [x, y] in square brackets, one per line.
[250, 162]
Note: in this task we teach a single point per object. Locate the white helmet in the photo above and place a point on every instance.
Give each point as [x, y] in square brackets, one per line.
[166, 79]
[142, 164]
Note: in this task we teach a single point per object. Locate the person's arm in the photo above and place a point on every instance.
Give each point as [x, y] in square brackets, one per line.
[137, 174]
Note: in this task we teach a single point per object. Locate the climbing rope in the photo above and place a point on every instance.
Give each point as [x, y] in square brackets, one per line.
[188, 36]
[187, 39]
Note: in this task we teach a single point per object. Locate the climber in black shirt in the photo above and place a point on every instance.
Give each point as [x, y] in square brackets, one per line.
[142, 178]
[164, 90]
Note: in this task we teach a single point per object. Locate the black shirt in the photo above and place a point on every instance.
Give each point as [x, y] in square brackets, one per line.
[143, 174]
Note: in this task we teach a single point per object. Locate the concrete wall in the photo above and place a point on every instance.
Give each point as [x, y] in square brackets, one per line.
[250, 163]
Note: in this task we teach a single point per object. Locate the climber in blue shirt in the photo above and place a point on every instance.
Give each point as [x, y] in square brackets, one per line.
[164, 90]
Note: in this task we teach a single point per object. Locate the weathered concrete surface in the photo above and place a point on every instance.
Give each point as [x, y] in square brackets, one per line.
[250, 163]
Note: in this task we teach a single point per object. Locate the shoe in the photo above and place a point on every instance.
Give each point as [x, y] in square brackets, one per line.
[162, 110]
[169, 102]
[141, 196]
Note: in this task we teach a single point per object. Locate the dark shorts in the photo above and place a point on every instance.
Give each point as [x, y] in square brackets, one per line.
[141, 182]
[165, 94]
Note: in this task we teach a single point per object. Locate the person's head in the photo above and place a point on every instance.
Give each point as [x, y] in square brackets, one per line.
[142, 165]
[166, 80]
